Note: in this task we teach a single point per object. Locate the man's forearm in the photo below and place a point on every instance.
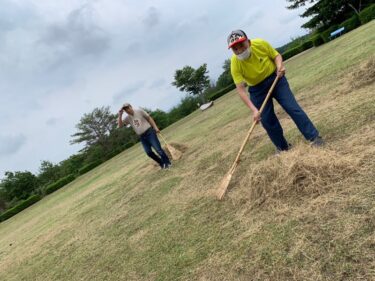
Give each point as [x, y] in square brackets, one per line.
[152, 123]
[245, 98]
[280, 68]
[119, 121]
[279, 61]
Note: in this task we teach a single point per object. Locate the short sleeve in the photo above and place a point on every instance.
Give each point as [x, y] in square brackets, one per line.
[144, 113]
[272, 53]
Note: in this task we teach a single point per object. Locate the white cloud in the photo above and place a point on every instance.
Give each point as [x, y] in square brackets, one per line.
[11, 144]
[61, 59]
[78, 36]
[152, 18]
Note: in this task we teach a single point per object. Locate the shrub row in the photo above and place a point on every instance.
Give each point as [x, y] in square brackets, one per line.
[296, 50]
[317, 40]
[351, 23]
[326, 35]
[221, 92]
[19, 207]
[355, 21]
[60, 183]
[49, 189]
[90, 166]
[367, 14]
[292, 52]
[307, 45]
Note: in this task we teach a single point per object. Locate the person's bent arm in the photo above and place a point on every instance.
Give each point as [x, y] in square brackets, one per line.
[153, 124]
[280, 68]
[120, 123]
[241, 89]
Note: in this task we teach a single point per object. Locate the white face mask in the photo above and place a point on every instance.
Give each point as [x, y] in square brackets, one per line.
[244, 55]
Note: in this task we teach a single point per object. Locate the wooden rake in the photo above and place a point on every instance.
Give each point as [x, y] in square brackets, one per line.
[174, 152]
[226, 180]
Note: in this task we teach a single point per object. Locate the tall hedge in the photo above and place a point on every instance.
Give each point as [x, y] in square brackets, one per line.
[19, 207]
[292, 52]
[90, 166]
[326, 35]
[317, 40]
[221, 92]
[367, 14]
[351, 23]
[60, 183]
[307, 45]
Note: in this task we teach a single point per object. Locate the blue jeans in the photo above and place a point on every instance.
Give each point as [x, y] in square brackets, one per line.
[285, 98]
[150, 140]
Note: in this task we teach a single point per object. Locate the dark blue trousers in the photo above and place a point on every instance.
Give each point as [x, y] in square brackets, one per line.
[150, 140]
[285, 98]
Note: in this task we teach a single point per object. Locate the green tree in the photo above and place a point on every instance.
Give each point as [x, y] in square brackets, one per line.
[192, 81]
[210, 90]
[161, 118]
[48, 173]
[95, 127]
[225, 79]
[2, 204]
[324, 13]
[18, 185]
[186, 106]
[72, 164]
[98, 130]
[119, 140]
[93, 154]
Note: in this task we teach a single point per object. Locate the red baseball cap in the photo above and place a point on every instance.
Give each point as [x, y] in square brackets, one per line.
[235, 37]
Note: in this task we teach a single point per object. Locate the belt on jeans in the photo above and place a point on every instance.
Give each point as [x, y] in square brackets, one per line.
[145, 132]
[263, 81]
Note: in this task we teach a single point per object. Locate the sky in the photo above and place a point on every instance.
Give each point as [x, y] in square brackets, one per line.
[61, 59]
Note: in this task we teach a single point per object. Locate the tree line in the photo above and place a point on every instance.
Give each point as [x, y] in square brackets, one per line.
[324, 14]
[98, 129]
[102, 139]
[325, 18]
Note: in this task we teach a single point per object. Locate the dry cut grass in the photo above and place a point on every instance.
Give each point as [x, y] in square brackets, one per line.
[307, 214]
[302, 172]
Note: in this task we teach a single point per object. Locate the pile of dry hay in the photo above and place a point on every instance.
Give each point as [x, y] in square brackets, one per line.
[302, 171]
[182, 148]
[362, 76]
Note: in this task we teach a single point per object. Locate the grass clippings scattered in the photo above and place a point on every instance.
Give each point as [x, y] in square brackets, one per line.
[302, 171]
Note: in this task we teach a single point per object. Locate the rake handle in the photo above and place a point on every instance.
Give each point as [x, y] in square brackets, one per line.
[236, 161]
[163, 139]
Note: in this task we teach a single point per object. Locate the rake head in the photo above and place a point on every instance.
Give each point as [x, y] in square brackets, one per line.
[175, 153]
[223, 187]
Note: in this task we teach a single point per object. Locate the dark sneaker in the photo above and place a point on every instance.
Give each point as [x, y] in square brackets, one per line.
[166, 166]
[317, 142]
[278, 151]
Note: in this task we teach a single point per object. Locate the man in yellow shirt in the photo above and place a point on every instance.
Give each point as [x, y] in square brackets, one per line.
[255, 63]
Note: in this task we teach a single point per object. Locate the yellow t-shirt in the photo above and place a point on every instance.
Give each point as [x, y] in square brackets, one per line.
[257, 67]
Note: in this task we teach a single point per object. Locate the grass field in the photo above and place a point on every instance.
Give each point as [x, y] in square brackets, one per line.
[308, 214]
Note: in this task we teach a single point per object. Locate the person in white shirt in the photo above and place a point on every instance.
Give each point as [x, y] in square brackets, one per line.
[146, 128]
